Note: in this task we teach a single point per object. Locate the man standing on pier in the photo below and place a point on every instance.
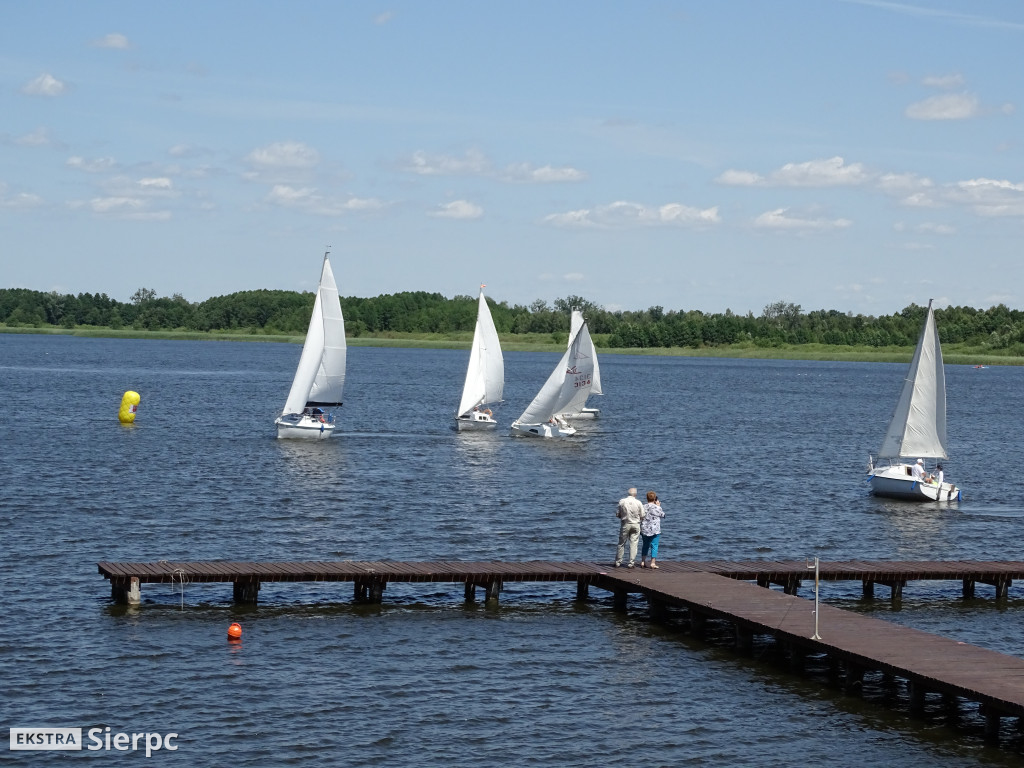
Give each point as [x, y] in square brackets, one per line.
[630, 512]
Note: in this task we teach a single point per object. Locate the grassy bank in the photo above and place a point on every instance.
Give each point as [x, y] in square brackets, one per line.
[954, 354]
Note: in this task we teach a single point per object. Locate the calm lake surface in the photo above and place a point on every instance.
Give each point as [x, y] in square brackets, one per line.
[752, 459]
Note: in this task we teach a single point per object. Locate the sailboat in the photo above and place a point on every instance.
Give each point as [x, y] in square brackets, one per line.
[485, 375]
[320, 376]
[577, 407]
[573, 374]
[917, 428]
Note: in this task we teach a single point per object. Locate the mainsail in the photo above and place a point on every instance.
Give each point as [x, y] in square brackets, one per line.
[587, 348]
[918, 426]
[485, 376]
[573, 374]
[320, 376]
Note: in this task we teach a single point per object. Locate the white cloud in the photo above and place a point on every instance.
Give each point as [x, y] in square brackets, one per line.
[384, 18]
[123, 208]
[989, 197]
[40, 137]
[284, 154]
[44, 85]
[308, 200]
[113, 40]
[944, 81]
[903, 183]
[459, 209]
[544, 175]
[735, 178]
[157, 184]
[475, 163]
[573, 277]
[819, 173]
[95, 165]
[936, 229]
[19, 200]
[627, 214]
[946, 106]
[830, 172]
[780, 219]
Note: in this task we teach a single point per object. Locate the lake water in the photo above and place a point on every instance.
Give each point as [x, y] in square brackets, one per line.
[752, 459]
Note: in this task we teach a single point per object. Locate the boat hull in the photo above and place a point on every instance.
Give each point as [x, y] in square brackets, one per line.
[541, 430]
[896, 482]
[474, 421]
[294, 427]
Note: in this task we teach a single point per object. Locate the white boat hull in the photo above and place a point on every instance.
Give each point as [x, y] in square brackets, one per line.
[897, 482]
[474, 420]
[294, 426]
[541, 430]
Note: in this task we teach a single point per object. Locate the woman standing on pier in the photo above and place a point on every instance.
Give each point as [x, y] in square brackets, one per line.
[650, 528]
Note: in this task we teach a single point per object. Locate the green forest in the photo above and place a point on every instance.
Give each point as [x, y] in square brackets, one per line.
[997, 331]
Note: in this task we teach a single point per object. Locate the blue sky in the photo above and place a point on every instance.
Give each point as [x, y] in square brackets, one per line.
[856, 155]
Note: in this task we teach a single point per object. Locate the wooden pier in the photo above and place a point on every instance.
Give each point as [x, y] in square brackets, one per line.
[721, 591]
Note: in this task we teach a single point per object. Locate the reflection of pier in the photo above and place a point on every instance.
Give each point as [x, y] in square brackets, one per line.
[853, 646]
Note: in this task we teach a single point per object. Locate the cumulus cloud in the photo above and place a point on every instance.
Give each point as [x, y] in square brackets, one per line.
[945, 82]
[284, 154]
[459, 209]
[122, 207]
[19, 199]
[94, 165]
[383, 18]
[945, 106]
[44, 85]
[830, 172]
[543, 175]
[40, 137]
[475, 163]
[989, 197]
[161, 184]
[309, 200]
[627, 214]
[113, 40]
[781, 219]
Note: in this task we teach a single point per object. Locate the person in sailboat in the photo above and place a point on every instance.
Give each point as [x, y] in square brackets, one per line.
[918, 471]
[937, 476]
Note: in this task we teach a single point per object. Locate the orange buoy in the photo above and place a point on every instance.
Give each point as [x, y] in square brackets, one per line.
[235, 631]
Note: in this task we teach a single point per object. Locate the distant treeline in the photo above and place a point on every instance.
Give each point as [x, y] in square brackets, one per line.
[287, 312]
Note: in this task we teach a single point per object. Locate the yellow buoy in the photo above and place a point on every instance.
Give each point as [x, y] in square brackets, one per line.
[129, 404]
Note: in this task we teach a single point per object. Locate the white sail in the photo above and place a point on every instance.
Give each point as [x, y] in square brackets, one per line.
[587, 348]
[573, 374]
[918, 426]
[320, 376]
[485, 376]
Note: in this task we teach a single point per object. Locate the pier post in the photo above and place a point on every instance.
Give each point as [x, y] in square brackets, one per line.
[992, 721]
[853, 678]
[126, 591]
[470, 592]
[968, 587]
[360, 592]
[246, 591]
[377, 591]
[1002, 587]
[868, 589]
[897, 590]
[744, 639]
[917, 693]
[582, 590]
[493, 589]
[791, 586]
[698, 623]
[797, 657]
[619, 600]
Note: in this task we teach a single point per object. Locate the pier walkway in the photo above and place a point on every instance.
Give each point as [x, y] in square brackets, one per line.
[853, 644]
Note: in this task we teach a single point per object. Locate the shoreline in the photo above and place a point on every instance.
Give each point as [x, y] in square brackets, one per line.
[953, 354]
